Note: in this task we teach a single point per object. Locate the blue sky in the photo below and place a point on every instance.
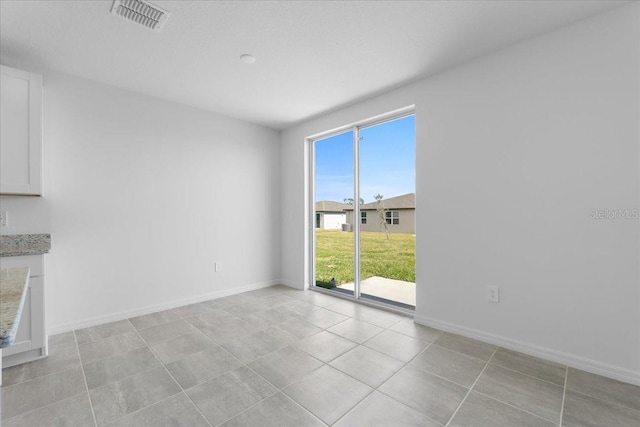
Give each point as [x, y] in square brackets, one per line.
[387, 162]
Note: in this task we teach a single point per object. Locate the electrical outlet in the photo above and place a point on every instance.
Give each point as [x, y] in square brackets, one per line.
[4, 221]
[493, 294]
[217, 266]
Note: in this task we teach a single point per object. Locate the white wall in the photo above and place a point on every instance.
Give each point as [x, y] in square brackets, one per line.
[513, 150]
[141, 197]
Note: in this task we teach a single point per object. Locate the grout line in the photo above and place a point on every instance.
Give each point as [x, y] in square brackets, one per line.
[246, 365]
[373, 389]
[86, 390]
[84, 378]
[445, 378]
[460, 353]
[162, 323]
[278, 390]
[527, 375]
[495, 398]
[462, 385]
[513, 406]
[609, 402]
[395, 373]
[111, 423]
[388, 397]
[174, 380]
[429, 340]
[309, 410]
[143, 344]
[144, 371]
[405, 364]
[304, 409]
[300, 318]
[36, 378]
[471, 388]
[292, 345]
[14, 417]
[433, 373]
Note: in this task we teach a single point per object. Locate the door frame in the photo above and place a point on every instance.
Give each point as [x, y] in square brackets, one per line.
[310, 143]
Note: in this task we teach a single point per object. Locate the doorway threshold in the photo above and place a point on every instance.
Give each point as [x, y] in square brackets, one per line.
[368, 300]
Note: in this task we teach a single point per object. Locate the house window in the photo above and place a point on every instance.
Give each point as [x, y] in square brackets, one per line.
[392, 217]
[363, 217]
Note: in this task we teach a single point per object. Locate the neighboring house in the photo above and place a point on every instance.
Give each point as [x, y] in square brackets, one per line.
[399, 215]
[330, 215]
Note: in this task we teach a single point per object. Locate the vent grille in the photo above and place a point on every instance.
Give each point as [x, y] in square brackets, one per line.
[141, 12]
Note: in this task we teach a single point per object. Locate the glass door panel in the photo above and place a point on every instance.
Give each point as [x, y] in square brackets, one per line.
[387, 216]
[333, 186]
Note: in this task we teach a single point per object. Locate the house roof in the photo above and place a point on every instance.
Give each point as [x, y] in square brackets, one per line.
[330, 206]
[406, 201]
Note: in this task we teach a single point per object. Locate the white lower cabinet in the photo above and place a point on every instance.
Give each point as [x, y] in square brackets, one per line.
[31, 340]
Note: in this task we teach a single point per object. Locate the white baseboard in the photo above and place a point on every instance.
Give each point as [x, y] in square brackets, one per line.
[294, 285]
[571, 360]
[71, 326]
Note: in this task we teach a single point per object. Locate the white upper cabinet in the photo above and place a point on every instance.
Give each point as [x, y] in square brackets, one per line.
[21, 132]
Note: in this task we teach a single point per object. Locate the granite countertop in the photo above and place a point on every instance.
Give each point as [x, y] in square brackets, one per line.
[24, 244]
[13, 290]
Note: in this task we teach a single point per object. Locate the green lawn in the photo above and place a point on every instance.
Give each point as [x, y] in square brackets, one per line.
[393, 259]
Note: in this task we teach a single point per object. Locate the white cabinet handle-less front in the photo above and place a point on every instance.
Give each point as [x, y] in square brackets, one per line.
[31, 340]
[20, 132]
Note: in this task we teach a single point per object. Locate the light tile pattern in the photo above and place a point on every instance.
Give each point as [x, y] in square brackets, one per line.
[280, 357]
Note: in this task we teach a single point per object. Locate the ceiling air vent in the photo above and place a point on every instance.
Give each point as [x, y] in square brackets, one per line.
[141, 12]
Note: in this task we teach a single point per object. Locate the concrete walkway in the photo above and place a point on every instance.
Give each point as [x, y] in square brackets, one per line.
[391, 289]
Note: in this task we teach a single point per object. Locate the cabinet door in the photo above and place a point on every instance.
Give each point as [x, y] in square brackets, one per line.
[31, 341]
[30, 334]
[21, 132]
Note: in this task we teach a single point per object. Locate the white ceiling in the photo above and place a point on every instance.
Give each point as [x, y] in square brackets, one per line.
[313, 56]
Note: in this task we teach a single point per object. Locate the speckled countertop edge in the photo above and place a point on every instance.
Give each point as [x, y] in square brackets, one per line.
[13, 291]
[24, 244]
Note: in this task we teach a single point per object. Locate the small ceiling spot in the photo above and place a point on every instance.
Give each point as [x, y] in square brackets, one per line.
[247, 58]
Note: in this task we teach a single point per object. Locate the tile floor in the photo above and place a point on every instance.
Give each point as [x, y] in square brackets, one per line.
[280, 357]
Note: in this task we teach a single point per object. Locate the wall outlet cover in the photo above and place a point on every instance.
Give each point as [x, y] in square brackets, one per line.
[493, 294]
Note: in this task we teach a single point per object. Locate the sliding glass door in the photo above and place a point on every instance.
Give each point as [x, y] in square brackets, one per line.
[363, 185]
[334, 262]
